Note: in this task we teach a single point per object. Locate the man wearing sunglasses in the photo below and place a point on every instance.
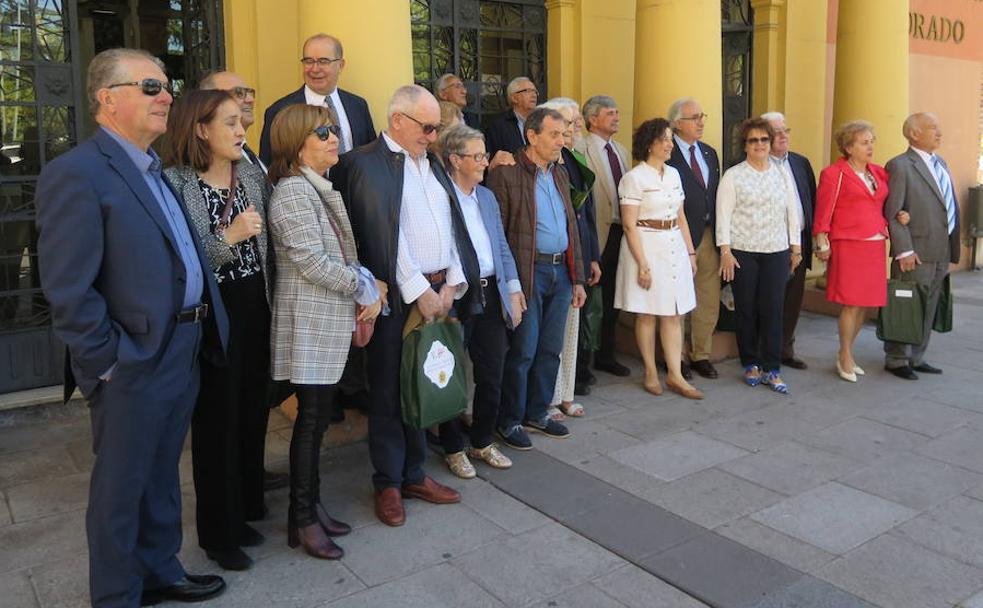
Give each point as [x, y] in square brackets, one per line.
[410, 232]
[507, 131]
[134, 300]
[323, 61]
[246, 98]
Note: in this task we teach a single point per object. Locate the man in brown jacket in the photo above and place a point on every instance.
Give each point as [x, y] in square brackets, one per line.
[534, 196]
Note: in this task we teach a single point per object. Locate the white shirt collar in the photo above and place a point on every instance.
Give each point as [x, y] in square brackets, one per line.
[683, 146]
[463, 194]
[928, 157]
[316, 99]
[598, 139]
[395, 147]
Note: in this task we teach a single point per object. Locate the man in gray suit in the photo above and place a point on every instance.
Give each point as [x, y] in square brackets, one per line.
[920, 183]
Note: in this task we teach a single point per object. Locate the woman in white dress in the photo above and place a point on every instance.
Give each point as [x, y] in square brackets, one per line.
[657, 259]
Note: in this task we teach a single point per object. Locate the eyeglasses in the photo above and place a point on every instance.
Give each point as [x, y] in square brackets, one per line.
[322, 62]
[477, 156]
[455, 85]
[700, 116]
[757, 140]
[149, 86]
[325, 131]
[784, 131]
[427, 128]
[242, 92]
[529, 90]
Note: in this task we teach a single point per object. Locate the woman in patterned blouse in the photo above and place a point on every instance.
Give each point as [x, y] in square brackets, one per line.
[759, 237]
[203, 151]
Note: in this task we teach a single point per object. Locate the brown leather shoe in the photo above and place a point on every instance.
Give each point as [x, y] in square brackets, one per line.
[431, 491]
[331, 526]
[314, 541]
[389, 507]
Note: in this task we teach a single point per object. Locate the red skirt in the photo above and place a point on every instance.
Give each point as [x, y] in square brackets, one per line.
[857, 273]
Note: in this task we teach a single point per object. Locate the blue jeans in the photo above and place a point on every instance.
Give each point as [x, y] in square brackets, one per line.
[534, 353]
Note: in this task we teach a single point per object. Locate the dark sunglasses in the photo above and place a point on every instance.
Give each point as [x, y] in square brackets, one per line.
[149, 86]
[242, 92]
[325, 131]
[757, 140]
[427, 129]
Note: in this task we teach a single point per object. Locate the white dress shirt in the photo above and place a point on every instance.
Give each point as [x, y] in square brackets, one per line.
[477, 231]
[316, 99]
[608, 176]
[426, 231]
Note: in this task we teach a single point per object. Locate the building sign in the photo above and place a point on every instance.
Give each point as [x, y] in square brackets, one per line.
[946, 28]
[934, 27]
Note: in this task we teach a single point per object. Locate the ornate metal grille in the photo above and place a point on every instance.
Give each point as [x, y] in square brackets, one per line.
[485, 42]
[737, 29]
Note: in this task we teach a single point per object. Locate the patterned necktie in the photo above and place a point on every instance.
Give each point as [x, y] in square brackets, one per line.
[342, 148]
[945, 184]
[695, 166]
[615, 165]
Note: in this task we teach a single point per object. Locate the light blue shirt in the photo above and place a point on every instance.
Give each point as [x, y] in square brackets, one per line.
[551, 217]
[148, 164]
[522, 126]
[702, 162]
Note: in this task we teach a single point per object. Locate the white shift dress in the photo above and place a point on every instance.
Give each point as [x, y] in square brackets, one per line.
[659, 197]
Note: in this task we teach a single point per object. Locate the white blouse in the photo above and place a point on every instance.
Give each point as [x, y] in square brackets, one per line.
[756, 210]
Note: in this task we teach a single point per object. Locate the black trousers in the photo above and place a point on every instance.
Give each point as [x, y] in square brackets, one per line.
[487, 341]
[759, 296]
[609, 273]
[792, 308]
[228, 431]
[397, 451]
[315, 409]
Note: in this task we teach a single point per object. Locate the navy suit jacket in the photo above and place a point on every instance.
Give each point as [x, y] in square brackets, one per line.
[503, 134]
[805, 183]
[700, 202]
[111, 271]
[356, 108]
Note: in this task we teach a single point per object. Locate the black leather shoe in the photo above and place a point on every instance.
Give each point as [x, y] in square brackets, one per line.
[704, 368]
[794, 363]
[191, 588]
[230, 559]
[581, 388]
[612, 367]
[250, 537]
[591, 379]
[686, 371]
[903, 372]
[274, 481]
[925, 368]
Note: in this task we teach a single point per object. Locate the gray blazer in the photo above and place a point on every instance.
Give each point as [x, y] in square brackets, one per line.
[912, 187]
[313, 301]
[253, 180]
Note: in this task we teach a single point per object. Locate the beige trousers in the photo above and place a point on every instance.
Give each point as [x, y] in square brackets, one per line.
[703, 319]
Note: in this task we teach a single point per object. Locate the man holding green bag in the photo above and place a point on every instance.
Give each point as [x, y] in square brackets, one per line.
[920, 183]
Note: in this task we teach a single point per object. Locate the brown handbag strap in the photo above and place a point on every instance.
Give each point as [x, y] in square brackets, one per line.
[229, 200]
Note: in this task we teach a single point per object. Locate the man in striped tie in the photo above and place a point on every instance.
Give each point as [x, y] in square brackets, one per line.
[921, 184]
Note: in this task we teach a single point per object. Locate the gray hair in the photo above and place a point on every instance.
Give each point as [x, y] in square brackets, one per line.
[406, 98]
[513, 85]
[676, 109]
[558, 103]
[322, 36]
[773, 116]
[594, 105]
[443, 82]
[914, 123]
[536, 118]
[108, 68]
[454, 141]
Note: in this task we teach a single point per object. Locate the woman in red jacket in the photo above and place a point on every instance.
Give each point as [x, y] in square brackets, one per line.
[850, 231]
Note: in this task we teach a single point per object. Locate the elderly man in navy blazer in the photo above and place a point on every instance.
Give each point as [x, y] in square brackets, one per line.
[699, 170]
[799, 172]
[323, 60]
[134, 301]
[507, 132]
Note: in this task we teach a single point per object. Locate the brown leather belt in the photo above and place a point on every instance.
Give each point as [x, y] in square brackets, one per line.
[435, 277]
[658, 224]
[551, 258]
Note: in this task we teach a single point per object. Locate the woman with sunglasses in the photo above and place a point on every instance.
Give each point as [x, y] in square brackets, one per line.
[759, 237]
[226, 200]
[321, 290]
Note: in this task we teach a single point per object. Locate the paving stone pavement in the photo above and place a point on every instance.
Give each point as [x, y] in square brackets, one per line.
[866, 495]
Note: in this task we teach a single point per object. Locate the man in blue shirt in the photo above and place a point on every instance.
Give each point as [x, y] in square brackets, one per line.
[541, 227]
[134, 304]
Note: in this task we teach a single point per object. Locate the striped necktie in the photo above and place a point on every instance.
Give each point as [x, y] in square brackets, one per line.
[945, 185]
[342, 148]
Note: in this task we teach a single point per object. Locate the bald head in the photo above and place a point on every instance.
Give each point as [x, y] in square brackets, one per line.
[412, 111]
[922, 131]
[244, 95]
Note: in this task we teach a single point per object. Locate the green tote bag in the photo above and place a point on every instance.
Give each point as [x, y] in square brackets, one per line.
[903, 318]
[432, 383]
